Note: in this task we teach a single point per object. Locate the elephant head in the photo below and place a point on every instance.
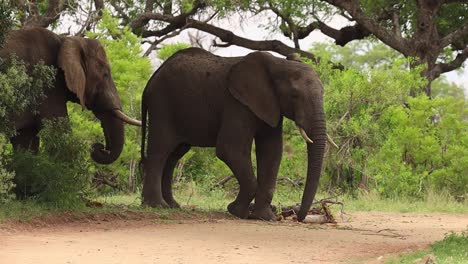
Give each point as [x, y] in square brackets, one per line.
[288, 88]
[88, 76]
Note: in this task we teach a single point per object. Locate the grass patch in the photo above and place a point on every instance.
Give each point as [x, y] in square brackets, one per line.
[453, 249]
[432, 203]
[197, 196]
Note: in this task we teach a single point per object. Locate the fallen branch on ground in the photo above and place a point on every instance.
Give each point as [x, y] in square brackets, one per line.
[321, 214]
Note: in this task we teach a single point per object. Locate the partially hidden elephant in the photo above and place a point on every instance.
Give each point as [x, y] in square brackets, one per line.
[83, 76]
[198, 99]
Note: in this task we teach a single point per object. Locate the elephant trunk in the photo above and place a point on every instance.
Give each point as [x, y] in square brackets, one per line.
[114, 134]
[315, 152]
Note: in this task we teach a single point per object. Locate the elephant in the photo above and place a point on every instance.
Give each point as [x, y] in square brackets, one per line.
[82, 76]
[199, 99]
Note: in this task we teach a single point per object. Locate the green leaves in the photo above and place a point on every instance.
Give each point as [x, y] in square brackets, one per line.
[59, 174]
[170, 49]
[21, 90]
[391, 142]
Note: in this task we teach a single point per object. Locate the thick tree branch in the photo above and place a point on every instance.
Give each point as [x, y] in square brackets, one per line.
[453, 65]
[55, 8]
[175, 22]
[460, 33]
[344, 35]
[262, 45]
[386, 36]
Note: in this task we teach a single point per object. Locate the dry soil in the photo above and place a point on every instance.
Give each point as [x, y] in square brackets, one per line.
[360, 238]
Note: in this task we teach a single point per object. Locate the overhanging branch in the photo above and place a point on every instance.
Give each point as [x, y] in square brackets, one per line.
[262, 45]
[455, 64]
[386, 36]
[460, 33]
[52, 14]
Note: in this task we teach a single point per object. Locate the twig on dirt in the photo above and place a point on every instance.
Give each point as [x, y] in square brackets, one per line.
[392, 233]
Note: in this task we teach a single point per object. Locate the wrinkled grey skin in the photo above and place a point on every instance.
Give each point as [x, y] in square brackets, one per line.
[199, 99]
[86, 63]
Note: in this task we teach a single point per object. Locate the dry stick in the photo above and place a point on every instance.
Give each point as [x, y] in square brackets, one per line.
[222, 182]
[295, 184]
[191, 193]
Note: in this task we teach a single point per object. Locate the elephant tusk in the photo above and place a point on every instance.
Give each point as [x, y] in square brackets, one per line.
[120, 115]
[304, 135]
[330, 140]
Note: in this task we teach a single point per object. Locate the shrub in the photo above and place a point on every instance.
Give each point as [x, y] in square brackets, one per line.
[6, 176]
[59, 174]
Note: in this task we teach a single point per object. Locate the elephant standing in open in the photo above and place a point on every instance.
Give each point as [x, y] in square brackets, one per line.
[198, 99]
[83, 76]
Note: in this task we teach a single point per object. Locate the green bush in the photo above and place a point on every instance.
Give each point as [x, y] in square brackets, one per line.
[59, 174]
[391, 142]
[5, 22]
[21, 90]
[6, 176]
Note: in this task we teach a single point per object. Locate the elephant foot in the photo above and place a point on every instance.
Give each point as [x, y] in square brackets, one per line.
[238, 210]
[173, 204]
[156, 204]
[265, 213]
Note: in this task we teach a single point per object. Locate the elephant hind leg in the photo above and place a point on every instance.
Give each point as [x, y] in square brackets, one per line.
[153, 169]
[168, 172]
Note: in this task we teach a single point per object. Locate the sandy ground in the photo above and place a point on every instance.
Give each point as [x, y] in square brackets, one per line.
[361, 238]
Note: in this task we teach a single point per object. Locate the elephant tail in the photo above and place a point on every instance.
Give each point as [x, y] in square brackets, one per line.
[144, 113]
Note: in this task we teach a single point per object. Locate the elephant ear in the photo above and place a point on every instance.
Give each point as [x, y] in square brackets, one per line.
[70, 61]
[251, 84]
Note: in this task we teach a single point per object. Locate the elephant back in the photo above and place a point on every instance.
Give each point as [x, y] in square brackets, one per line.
[19, 44]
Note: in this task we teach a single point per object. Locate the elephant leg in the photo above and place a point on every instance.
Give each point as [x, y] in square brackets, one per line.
[168, 172]
[153, 170]
[234, 150]
[269, 148]
[26, 139]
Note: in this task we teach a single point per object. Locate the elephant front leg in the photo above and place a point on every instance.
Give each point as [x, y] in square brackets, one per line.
[153, 170]
[237, 158]
[269, 148]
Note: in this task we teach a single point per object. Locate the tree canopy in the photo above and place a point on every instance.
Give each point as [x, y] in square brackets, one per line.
[434, 32]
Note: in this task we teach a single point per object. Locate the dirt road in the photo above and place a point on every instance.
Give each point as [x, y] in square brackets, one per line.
[364, 238]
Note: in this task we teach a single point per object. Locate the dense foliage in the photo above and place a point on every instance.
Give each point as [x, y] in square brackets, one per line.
[59, 174]
[389, 141]
[21, 88]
